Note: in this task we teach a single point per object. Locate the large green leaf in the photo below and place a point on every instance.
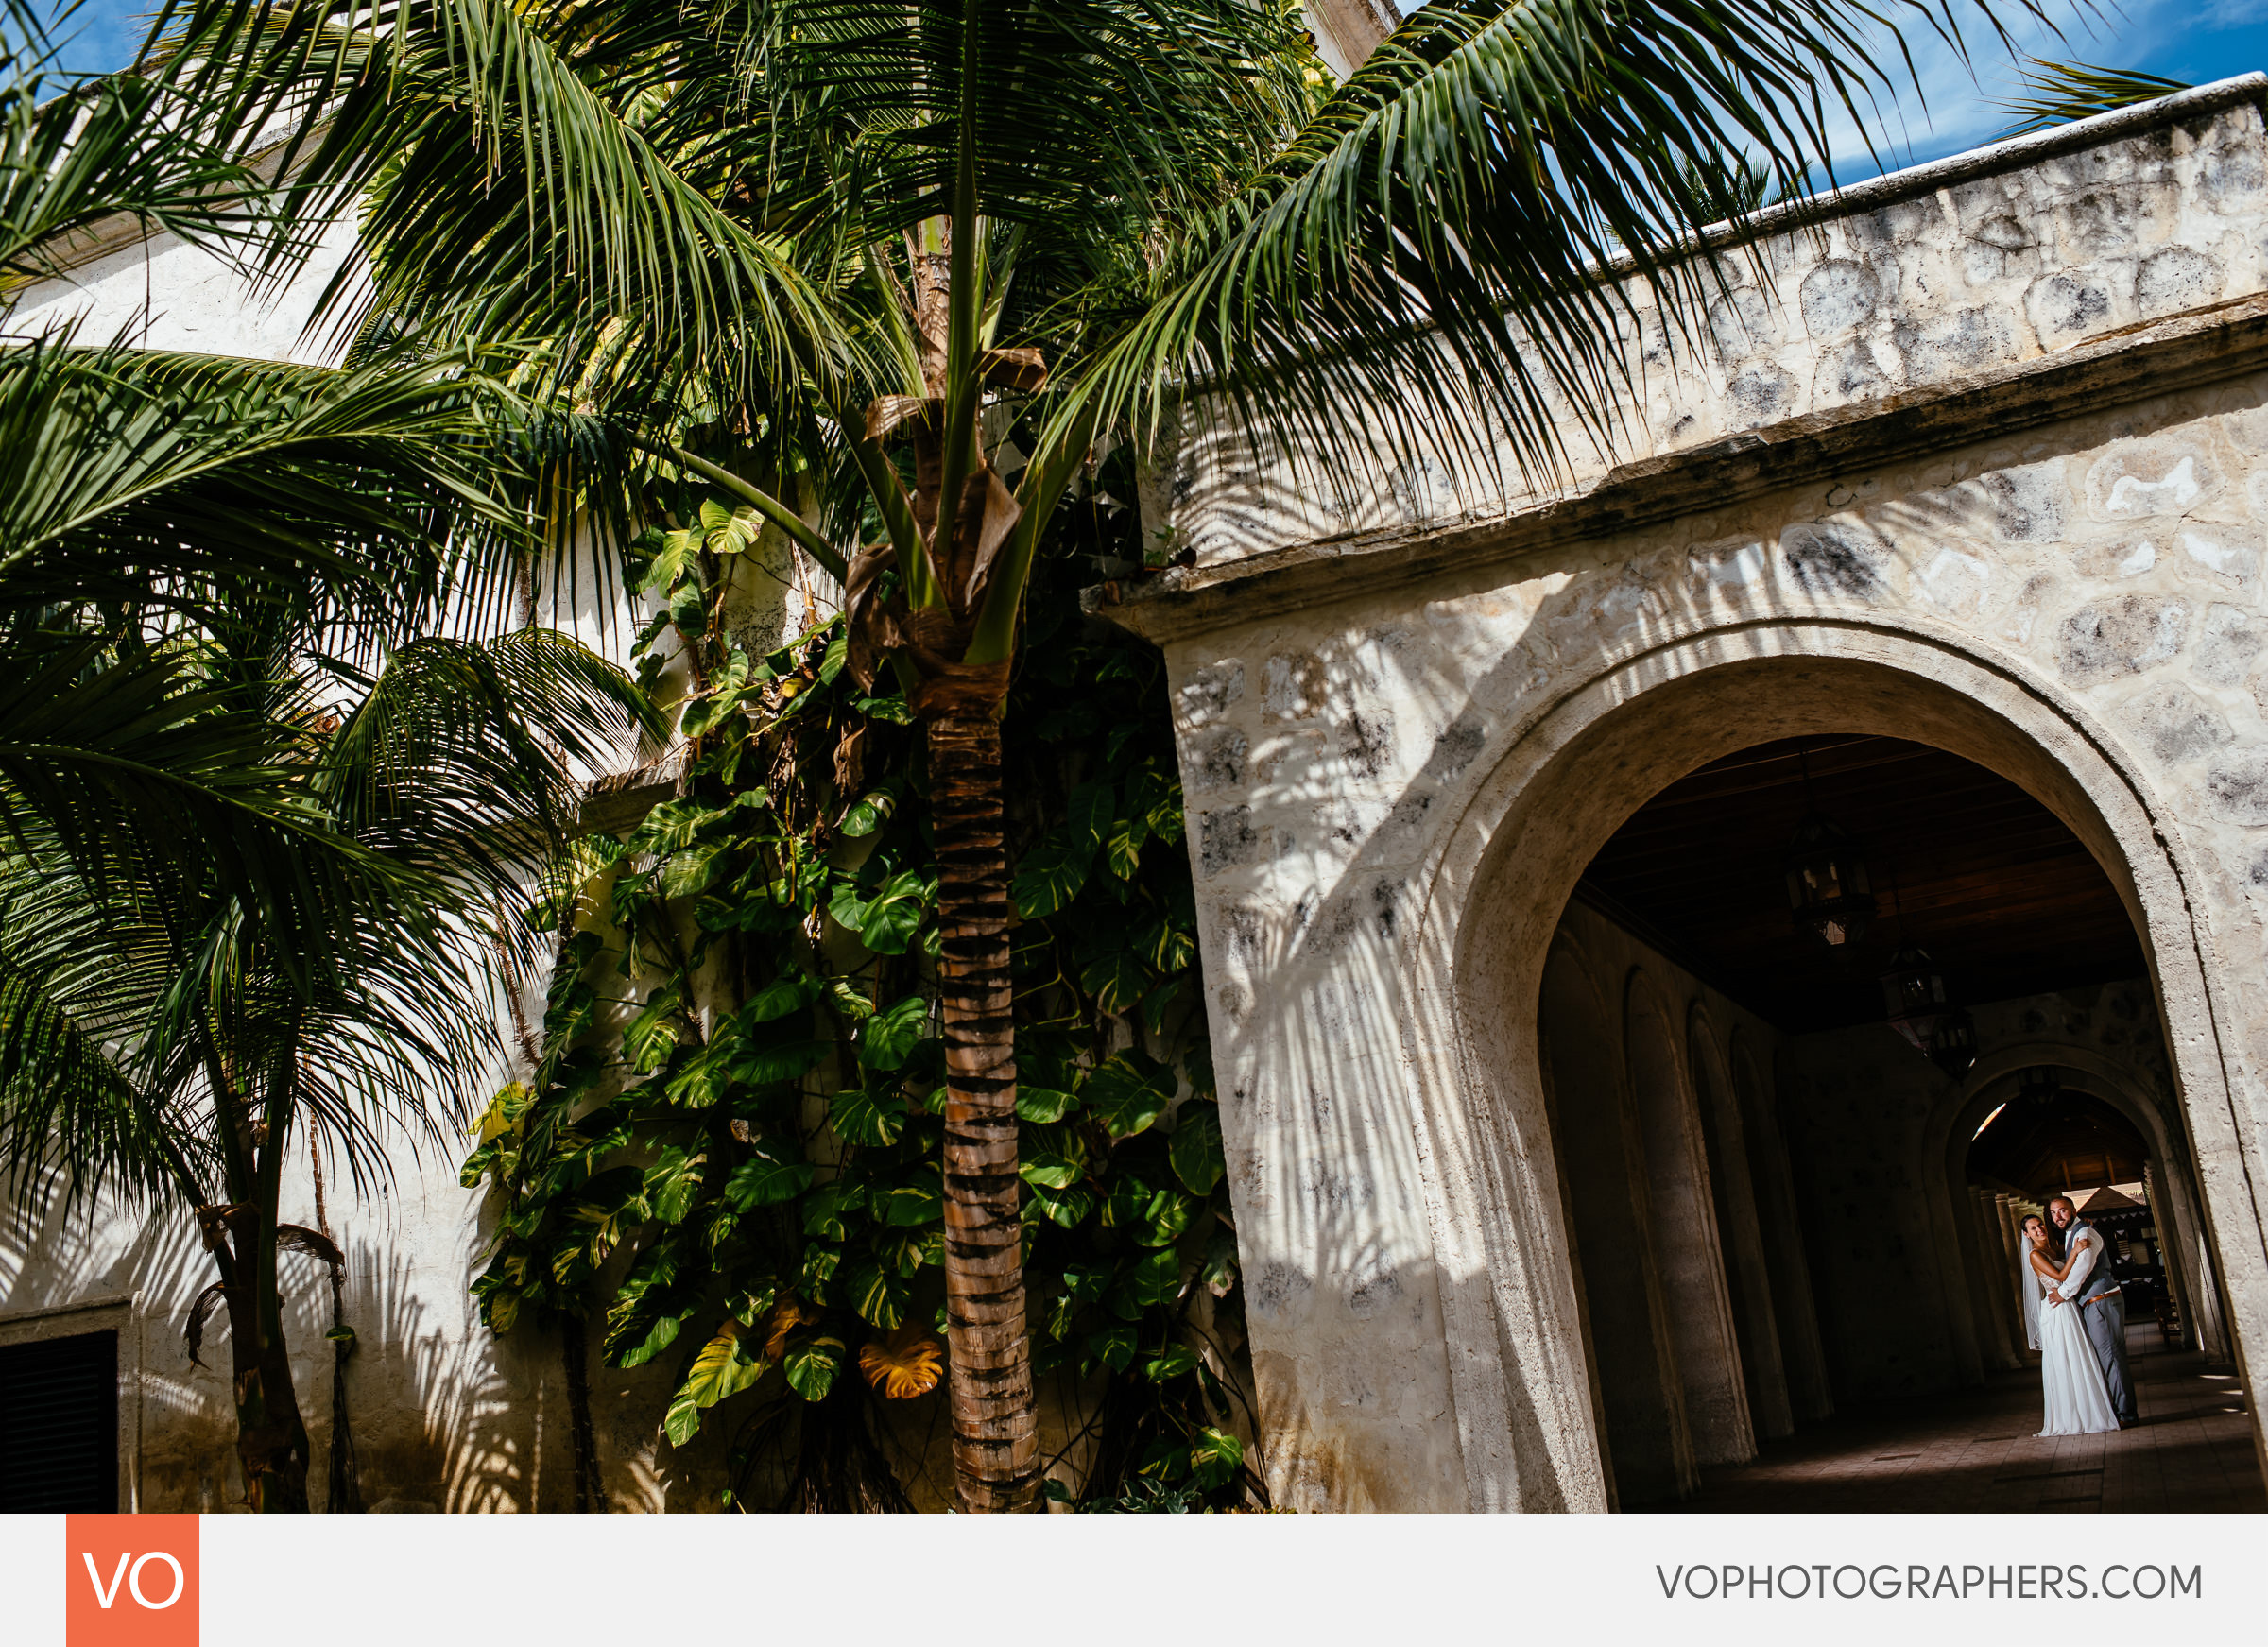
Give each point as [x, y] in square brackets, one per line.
[763, 1066]
[872, 1120]
[1156, 794]
[816, 1281]
[1215, 1457]
[699, 1082]
[890, 1035]
[1042, 1103]
[1123, 849]
[1117, 980]
[919, 1200]
[672, 1183]
[761, 1181]
[1195, 1148]
[1165, 946]
[689, 871]
[1045, 1170]
[789, 992]
[1050, 875]
[1126, 1096]
[877, 1292]
[1155, 1277]
[824, 1207]
[886, 920]
[1169, 1362]
[1151, 1214]
[671, 828]
[812, 1368]
[722, 1369]
[646, 1312]
[1113, 1346]
[872, 810]
[1068, 1207]
[650, 1037]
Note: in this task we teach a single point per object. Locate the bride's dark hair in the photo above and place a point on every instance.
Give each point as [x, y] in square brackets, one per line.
[2054, 1235]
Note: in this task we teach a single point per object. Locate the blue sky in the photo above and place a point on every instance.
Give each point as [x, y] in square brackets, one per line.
[101, 34]
[2197, 40]
[2189, 40]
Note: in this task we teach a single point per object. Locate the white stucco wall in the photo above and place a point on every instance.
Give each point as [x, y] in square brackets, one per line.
[1401, 744]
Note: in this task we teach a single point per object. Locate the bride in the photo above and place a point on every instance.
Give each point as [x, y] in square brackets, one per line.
[2070, 1374]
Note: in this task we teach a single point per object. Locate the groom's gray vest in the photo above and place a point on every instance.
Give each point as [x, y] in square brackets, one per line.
[2104, 1325]
[2099, 1279]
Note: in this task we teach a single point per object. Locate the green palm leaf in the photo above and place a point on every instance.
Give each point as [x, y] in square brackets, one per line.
[1431, 265]
[2056, 93]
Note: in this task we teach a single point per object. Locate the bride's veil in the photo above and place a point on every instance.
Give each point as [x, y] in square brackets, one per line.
[2030, 1288]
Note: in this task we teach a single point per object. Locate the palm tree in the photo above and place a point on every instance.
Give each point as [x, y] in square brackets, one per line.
[887, 270]
[256, 810]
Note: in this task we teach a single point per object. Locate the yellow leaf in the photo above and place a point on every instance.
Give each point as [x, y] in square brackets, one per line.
[788, 1314]
[502, 1110]
[907, 1363]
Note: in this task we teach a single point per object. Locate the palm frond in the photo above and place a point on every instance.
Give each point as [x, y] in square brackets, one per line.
[2056, 93]
[504, 190]
[75, 981]
[465, 760]
[1454, 257]
[172, 143]
[134, 768]
[140, 476]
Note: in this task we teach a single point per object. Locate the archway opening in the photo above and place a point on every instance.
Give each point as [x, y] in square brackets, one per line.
[1790, 1192]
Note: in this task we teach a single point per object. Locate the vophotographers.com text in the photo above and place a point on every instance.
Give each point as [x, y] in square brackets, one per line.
[1913, 1581]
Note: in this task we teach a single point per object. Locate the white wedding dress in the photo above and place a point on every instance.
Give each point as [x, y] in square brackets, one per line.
[2070, 1377]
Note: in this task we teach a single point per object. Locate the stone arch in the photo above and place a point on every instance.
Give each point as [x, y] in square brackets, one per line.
[1992, 1081]
[1568, 776]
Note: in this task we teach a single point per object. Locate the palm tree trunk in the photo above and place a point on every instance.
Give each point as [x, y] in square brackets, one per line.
[995, 1450]
[575, 1352]
[272, 1439]
[345, 1498]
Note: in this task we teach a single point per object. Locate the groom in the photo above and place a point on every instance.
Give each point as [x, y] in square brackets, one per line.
[2090, 1288]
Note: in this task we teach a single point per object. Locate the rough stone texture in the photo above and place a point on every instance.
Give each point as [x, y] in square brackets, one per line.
[2054, 576]
[1953, 273]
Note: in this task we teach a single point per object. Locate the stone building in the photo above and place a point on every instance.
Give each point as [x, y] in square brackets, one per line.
[1969, 474]
[1557, 1183]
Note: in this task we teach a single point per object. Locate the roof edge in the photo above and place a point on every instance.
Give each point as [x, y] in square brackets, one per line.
[1993, 159]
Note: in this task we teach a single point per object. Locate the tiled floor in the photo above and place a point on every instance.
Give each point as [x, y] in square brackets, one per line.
[1977, 1450]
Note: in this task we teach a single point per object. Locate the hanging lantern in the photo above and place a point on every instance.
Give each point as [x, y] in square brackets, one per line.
[1914, 996]
[2038, 1084]
[1828, 888]
[1954, 1043]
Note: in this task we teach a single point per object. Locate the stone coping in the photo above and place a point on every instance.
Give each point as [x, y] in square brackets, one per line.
[2203, 345]
[2185, 350]
[2014, 154]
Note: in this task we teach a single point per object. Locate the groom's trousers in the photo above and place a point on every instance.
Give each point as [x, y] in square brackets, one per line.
[2105, 1319]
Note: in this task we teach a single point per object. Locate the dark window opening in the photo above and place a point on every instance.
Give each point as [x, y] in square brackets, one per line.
[59, 1425]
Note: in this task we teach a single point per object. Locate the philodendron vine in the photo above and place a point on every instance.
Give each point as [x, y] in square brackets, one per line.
[728, 1148]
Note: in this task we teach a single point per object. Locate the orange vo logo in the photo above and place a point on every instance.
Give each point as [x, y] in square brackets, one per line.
[130, 1580]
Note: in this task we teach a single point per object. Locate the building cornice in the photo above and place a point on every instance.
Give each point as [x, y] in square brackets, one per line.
[2186, 350]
